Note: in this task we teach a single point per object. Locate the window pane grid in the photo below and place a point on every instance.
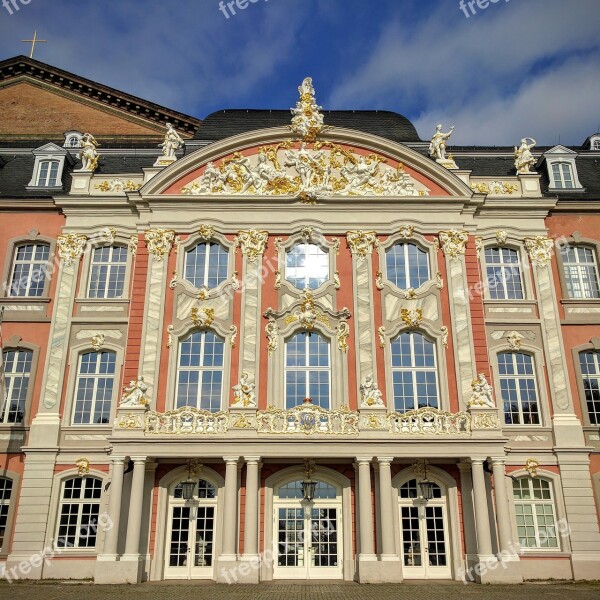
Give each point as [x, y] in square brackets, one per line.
[534, 510]
[206, 265]
[94, 388]
[107, 274]
[307, 370]
[518, 388]
[79, 511]
[17, 371]
[5, 494]
[307, 266]
[563, 175]
[29, 270]
[407, 266]
[200, 373]
[590, 369]
[581, 272]
[503, 274]
[414, 372]
[48, 173]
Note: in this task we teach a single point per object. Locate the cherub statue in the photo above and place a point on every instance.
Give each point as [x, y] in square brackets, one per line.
[482, 393]
[243, 392]
[437, 147]
[524, 159]
[134, 394]
[370, 394]
[89, 155]
[172, 143]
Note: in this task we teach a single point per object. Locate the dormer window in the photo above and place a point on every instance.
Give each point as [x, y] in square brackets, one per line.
[48, 167]
[562, 170]
[562, 176]
[48, 173]
[596, 144]
[73, 139]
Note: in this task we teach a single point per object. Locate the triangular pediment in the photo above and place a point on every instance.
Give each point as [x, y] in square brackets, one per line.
[49, 148]
[560, 150]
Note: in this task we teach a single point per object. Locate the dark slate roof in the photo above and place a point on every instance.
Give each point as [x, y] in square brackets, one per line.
[15, 175]
[226, 123]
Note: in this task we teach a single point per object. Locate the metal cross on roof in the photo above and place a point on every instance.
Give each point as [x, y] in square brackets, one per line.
[34, 41]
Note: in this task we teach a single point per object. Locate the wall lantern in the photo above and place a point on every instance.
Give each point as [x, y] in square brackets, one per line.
[308, 485]
[426, 486]
[188, 487]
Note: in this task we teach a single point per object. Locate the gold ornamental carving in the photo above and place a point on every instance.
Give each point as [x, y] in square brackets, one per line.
[252, 242]
[531, 466]
[445, 333]
[131, 421]
[98, 341]
[83, 466]
[307, 120]
[362, 243]
[501, 237]
[206, 232]
[343, 332]
[381, 333]
[202, 317]
[272, 331]
[71, 247]
[159, 242]
[133, 245]
[412, 317]
[454, 243]
[406, 232]
[540, 249]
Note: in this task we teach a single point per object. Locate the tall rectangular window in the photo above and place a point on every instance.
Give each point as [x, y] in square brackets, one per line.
[29, 270]
[206, 265]
[503, 270]
[535, 513]
[518, 388]
[48, 173]
[562, 174]
[590, 370]
[107, 274]
[78, 513]
[581, 272]
[17, 371]
[5, 494]
[94, 388]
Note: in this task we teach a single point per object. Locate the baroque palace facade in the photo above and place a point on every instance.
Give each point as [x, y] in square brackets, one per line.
[291, 346]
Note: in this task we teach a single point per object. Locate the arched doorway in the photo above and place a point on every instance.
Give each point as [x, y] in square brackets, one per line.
[191, 532]
[424, 533]
[307, 536]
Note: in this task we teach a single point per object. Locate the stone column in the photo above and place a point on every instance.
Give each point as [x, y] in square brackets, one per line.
[368, 571]
[251, 524]
[482, 523]
[466, 490]
[502, 508]
[386, 508]
[136, 503]
[228, 558]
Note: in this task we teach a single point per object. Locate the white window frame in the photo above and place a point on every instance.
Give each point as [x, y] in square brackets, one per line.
[560, 181]
[560, 155]
[595, 376]
[69, 135]
[111, 266]
[205, 275]
[307, 245]
[307, 369]
[5, 508]
[405, 245]
[504, 267]
[5, 408]
[517, 377]
[535, 503]
[79, 502]
[33, 263]
[578, 265]
[48, 152]
[413, 370]
[201, 369]
[95, 376]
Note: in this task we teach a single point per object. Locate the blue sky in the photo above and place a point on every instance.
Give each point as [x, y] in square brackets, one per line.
[517, 68]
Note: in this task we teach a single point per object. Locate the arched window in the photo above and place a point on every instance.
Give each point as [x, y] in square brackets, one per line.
[293, 490]
[306, 266]
[407, 266]
[518, 388]
[5, 494]
[94, 388]
[200, 371]
[596, 145]
[503, 270]
[581, 272]
[78, 512]
[590, 370]
[307, 370]
[535, 513]
[562, 174]
[107, 272]
[206, 265]
[414, 372]
[29, 270]
[17, 372]
[48, 173]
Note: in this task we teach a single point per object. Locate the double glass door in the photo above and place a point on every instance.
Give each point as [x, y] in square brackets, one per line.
[308, 542]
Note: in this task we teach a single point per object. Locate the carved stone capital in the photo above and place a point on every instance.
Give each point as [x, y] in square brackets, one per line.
[71, 247]
[362, 243]
[539, 249]
[252, 242]
[454, 243]
[159, 242]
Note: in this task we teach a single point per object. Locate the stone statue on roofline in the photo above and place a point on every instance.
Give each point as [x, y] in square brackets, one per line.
[89, 155]
[524, 159]
[172, 142]
[437, 148]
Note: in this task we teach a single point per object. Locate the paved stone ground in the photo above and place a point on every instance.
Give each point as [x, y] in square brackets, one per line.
[294, 591]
